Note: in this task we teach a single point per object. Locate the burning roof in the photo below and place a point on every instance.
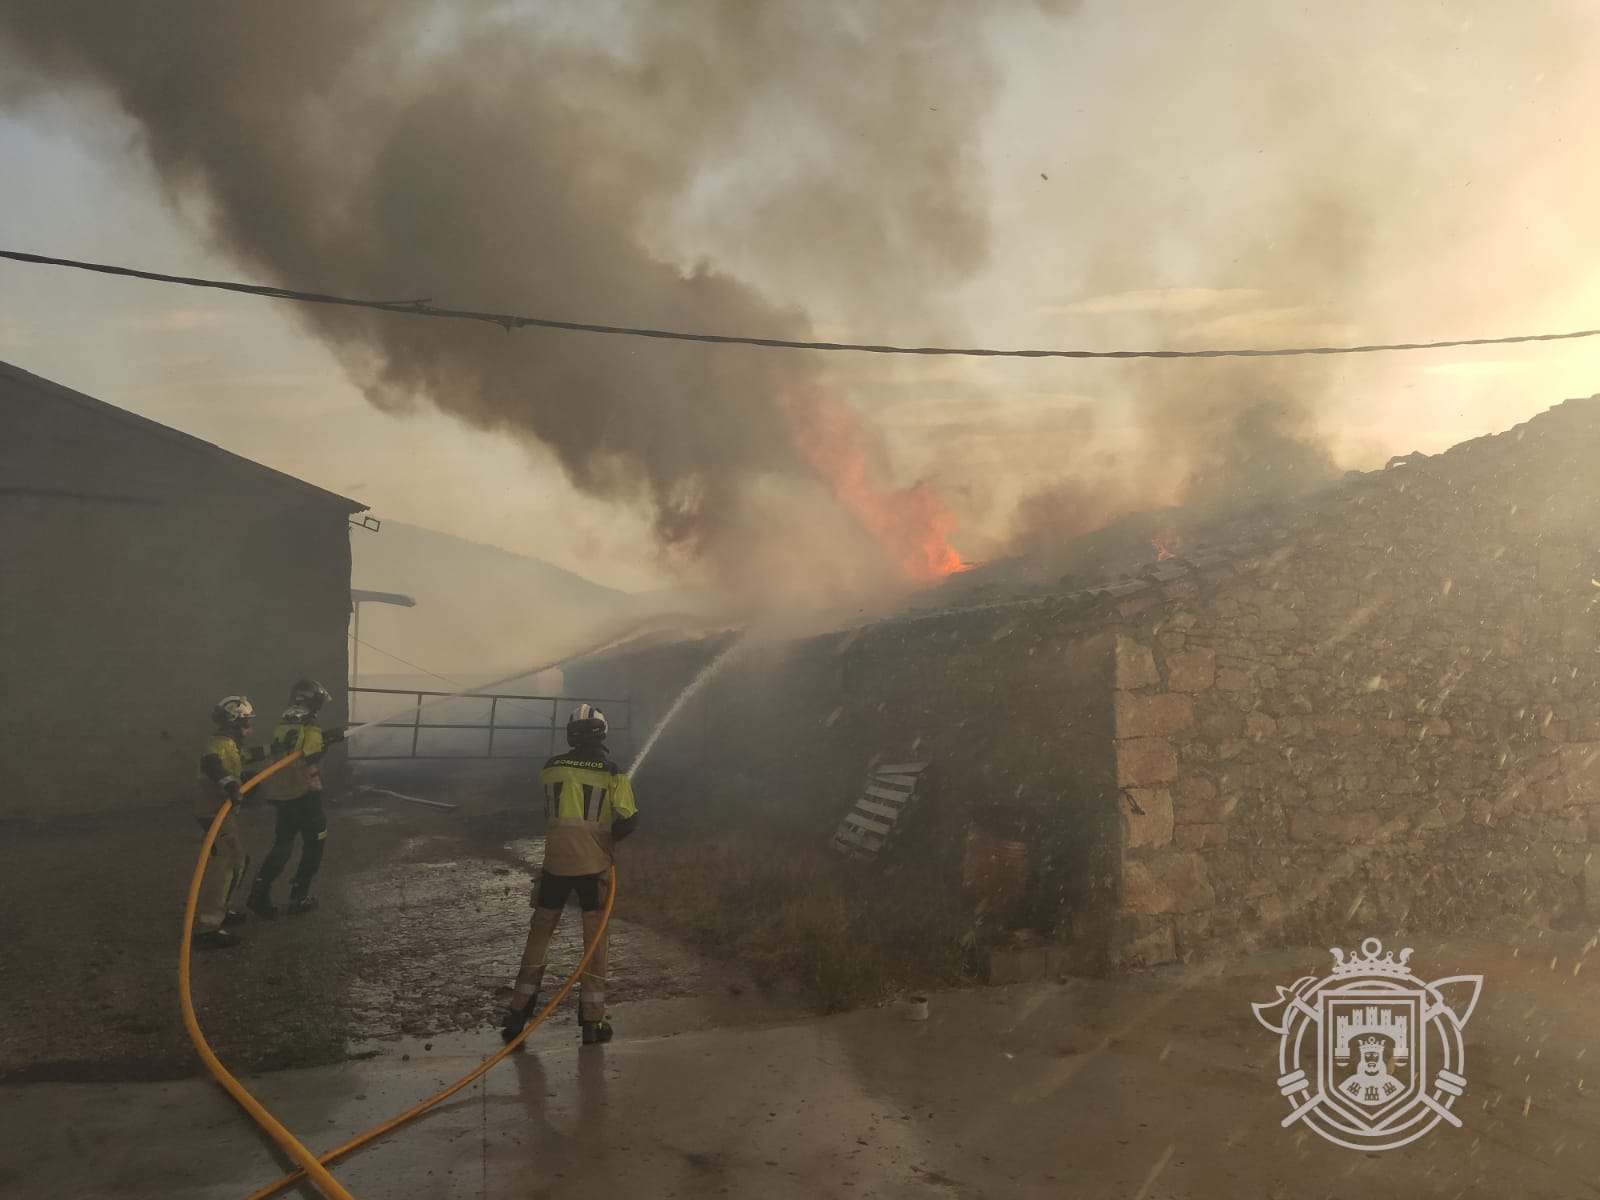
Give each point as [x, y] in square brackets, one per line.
[1166, 543]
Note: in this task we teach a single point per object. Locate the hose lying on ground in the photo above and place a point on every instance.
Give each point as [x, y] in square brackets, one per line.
[310, 1164]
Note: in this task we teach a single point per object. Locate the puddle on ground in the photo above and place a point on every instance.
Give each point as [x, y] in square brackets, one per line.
[440, 942]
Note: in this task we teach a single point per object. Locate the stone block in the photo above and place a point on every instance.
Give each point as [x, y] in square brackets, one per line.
[1259, 725]
[1152, 826]
[1016, 964]
[1572, 863]
[1136, 665]
[1392, 829]
[1230, 679]
[1198, 837]
[1337, 724]
[1153, 715]
[1570, 828]
[1145, 943]
[1591, 887]
[1195, 933]
[1540, 858]
[1144, 761]
[1192, 670]
[1270, 909]
[1217, 726]
[1580, 766]
[1278, 620]
[1163, 883]
[1545, 767]
[1334, 828]
[1551, 794]
[1196, 800]
[1577, 636]
[1449, 811]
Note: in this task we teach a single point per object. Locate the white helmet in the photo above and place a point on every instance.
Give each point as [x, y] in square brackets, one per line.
[232, 710]
[587, 724]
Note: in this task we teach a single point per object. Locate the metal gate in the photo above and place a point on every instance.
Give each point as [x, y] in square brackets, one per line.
[472, 724]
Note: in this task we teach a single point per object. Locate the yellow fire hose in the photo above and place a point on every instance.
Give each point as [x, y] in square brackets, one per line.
[310, 1164]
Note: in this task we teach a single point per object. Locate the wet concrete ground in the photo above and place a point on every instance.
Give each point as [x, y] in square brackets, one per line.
[423, 918]
[1150, 1087]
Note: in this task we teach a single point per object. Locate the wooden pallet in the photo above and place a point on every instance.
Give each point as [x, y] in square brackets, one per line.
[885, 797]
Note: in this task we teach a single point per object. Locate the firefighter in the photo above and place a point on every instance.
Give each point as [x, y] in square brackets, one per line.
[296, 792]
[588, 806]
[222, 763]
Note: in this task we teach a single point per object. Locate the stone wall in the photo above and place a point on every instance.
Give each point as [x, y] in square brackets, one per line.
[1380, 717]
[1385, 720]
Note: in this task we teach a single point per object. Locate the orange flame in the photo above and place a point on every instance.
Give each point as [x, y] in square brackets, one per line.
[912, 524]
[1167, 544]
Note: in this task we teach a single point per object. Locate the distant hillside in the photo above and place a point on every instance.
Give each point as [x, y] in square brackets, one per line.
[480, 609]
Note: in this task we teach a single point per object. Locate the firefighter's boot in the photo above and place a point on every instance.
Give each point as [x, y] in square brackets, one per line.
[596, 1033]
[516, 1018]
[260, 901]
[217, 939]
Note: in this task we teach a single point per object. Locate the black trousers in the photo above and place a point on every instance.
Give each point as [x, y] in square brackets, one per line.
[300, 818]
[554, 890]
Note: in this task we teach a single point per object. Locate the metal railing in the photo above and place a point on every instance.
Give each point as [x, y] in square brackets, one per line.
[477, 738]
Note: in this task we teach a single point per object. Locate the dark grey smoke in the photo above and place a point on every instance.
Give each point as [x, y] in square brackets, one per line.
[1356, 173]
[511, 159]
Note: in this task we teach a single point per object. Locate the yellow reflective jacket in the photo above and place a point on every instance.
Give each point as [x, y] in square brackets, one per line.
[300, 776]
[584, 794]
[210, 792]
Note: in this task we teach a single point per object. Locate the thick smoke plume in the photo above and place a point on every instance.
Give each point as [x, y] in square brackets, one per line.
[1226, 174]
[527, 159]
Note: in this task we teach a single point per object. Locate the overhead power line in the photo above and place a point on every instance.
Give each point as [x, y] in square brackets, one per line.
[510, 321]
[416, 666]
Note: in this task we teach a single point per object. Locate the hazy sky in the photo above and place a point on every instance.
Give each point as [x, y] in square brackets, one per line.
[1146, 174]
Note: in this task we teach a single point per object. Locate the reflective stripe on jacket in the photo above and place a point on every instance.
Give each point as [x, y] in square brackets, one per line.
[583, 796]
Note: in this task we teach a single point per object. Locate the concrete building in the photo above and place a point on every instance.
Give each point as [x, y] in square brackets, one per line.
[145, 574]
[1374, 710]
